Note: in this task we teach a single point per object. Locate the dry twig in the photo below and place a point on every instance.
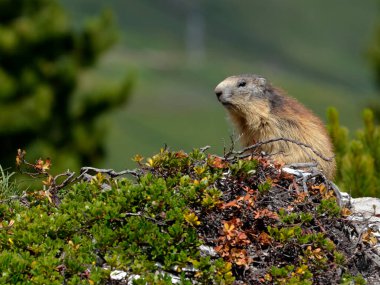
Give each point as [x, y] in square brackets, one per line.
[246, 152]
[112, 173]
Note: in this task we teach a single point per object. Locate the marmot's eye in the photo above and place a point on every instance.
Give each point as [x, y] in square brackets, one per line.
[242, 83]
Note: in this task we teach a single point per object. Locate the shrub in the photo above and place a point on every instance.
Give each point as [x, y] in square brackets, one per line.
[358, 159]
[258, 224]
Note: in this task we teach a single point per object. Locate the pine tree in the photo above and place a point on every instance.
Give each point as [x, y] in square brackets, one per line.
[358, 159]
[374, 60]
[339, 136]
[41, 59]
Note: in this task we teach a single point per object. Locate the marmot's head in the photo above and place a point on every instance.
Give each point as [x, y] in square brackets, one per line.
[247, 94]
[240, 87]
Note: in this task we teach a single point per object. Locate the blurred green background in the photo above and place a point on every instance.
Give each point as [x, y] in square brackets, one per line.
[178, 51]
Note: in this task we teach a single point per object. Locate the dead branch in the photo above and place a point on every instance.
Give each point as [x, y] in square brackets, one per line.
[68, 180]
[14, 197]
[112, 173]
[246, 152]
[54, 188]
[231, 148]
[203, 149]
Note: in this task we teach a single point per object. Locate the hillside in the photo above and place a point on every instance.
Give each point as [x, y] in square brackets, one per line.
[316, 51]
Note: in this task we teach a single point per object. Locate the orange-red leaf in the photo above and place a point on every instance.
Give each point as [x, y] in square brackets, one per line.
[218, 162]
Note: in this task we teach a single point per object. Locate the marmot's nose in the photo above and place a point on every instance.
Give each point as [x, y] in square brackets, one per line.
[218, 92]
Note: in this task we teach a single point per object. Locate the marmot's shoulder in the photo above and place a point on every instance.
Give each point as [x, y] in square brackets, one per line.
[289, 108]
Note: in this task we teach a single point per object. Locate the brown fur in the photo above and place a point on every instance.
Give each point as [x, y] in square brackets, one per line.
[262, 112]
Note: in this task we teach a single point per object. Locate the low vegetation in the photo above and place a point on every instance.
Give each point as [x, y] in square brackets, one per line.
[260, 225]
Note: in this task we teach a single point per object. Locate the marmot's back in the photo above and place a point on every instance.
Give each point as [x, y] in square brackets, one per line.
[262, 112]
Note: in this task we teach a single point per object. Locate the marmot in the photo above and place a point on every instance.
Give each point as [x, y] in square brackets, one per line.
[262, 112]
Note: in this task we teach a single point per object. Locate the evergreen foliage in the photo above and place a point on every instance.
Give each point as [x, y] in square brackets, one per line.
[41, 59]
[374, 58]
[358, 159]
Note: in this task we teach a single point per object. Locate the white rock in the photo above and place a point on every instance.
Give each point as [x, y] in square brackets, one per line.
[207, 250]
[118, 275]
[133, 277]
[367, 206]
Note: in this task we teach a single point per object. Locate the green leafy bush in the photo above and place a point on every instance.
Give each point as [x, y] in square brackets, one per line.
[130, 226]
[262, 230]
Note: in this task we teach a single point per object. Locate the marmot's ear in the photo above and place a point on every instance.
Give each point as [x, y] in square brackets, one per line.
[261, 81]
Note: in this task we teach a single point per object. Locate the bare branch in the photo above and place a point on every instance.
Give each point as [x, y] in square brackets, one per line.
[70, 178]
[203, 149]
[14, 197]
[243, 153]
[232, 146]
[112, 173]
